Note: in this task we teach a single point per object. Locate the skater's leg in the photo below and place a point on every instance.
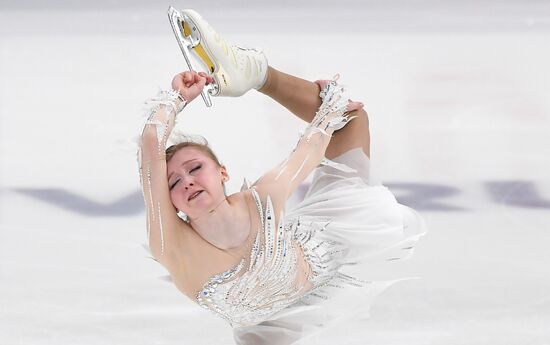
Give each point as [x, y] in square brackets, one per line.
[301, 97]
[237, 70]
[354, 134]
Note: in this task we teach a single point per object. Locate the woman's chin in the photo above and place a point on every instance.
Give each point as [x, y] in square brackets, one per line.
[200, 203]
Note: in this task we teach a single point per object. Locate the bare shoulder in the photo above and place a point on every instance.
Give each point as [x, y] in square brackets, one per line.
[189, 259]
[181, 246]
[194, 262]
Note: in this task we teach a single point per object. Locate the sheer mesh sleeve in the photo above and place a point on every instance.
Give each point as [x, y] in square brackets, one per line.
[161, 214]
[314, 139]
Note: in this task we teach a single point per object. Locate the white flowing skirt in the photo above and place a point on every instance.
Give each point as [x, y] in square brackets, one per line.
[378, 231]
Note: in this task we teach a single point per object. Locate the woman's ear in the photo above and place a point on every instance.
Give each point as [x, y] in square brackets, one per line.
[225, 175]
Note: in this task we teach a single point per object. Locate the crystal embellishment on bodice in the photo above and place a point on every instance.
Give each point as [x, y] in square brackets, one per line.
[266, 284]
[250, 293]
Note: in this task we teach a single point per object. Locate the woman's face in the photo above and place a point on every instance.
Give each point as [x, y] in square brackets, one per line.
[195, 181]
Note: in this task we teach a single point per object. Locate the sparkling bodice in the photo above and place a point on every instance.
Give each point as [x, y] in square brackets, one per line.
[268, 282]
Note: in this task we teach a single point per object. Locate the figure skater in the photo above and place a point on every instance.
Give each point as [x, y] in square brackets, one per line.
[276, 275]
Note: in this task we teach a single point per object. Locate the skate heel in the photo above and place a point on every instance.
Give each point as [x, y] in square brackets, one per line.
[197, 35]
[188, 41]
[235, 70]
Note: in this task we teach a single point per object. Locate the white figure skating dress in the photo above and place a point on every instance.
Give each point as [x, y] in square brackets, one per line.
[309, 263]
[346, 222]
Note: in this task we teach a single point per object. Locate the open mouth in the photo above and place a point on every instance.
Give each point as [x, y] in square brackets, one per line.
[194, 195]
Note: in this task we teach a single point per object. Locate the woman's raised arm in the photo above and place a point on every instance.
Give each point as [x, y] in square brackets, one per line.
[164, 227]
[332, 115]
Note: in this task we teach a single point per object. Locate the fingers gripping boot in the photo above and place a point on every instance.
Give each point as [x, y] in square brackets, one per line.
[235, 69]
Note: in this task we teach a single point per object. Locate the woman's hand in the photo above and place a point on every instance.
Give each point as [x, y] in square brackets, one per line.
[190, 83]
[352, 105]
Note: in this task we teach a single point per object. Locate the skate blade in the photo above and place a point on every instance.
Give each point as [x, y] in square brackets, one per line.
[186, 43]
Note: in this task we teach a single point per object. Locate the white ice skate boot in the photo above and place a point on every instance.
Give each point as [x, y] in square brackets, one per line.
[235, 70]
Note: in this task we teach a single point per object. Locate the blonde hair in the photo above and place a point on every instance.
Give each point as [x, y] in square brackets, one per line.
[197, 142]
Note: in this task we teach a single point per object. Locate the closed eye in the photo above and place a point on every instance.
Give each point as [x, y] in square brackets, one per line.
[178, 180]
[174, 184]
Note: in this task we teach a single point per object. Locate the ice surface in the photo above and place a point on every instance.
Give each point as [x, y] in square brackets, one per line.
[457, 95]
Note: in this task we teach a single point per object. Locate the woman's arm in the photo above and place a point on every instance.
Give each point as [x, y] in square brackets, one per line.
[164, 228]
[282, 180]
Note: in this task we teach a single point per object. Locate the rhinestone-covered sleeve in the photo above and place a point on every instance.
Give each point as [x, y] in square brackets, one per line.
[161, 215]
[314, 139]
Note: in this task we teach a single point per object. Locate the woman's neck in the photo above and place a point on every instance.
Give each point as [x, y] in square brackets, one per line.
[228, 225]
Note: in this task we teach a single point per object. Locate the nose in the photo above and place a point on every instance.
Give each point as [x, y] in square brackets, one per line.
[189, 185]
